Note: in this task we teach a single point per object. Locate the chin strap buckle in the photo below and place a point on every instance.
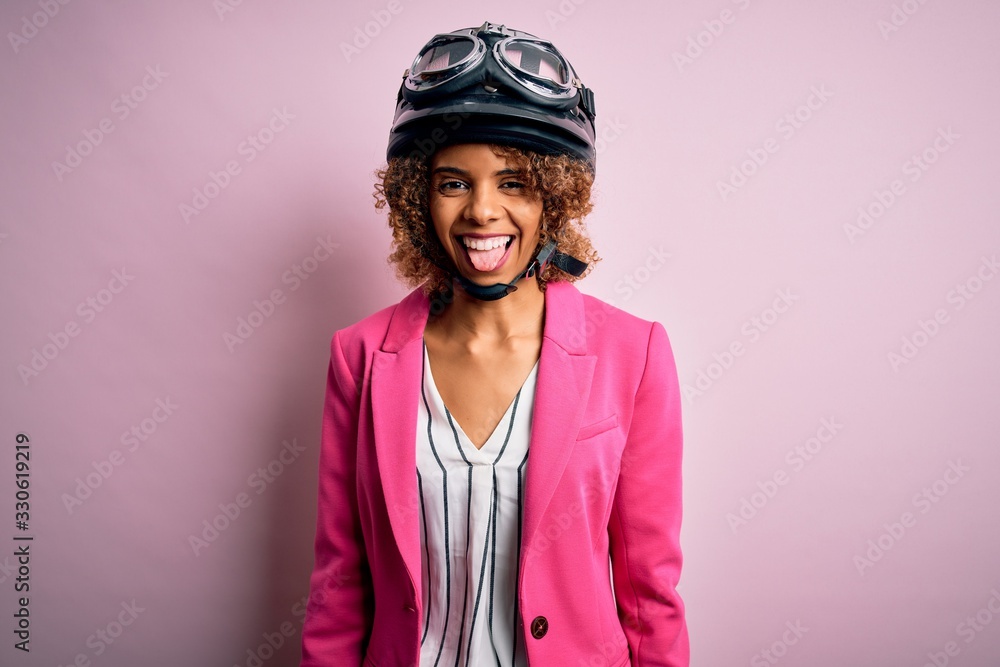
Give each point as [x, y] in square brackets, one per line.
[549, 255]
[541, 260]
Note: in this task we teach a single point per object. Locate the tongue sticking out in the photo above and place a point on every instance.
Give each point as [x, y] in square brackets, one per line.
[486, 260]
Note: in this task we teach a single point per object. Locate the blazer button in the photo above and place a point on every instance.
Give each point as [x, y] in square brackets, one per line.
[408, 607]
[539, 626]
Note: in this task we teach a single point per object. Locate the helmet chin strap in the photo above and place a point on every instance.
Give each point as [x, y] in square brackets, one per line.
[546, 255]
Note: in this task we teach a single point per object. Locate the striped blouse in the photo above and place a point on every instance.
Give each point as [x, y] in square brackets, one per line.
[470, 532]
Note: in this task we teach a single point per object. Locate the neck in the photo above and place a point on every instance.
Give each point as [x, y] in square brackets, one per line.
[519, 314]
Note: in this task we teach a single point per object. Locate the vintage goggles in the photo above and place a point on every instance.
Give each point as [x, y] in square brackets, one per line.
[522, 64]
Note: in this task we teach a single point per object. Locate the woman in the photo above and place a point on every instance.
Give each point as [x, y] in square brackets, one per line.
[492, 440]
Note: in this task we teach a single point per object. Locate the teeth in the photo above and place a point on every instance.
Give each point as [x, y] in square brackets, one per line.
[485, 244]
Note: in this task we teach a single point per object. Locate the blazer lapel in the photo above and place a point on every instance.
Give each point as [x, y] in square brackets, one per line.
[562, 389]
[396, 372]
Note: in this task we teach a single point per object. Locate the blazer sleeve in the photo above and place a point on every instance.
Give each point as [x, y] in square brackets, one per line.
[339, 615]
[645, 521]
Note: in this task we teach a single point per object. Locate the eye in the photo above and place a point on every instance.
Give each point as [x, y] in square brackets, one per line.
[513, 185]
[450, 186]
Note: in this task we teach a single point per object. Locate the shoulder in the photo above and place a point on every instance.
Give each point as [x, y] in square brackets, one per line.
[369, 329]
[625, 346]
[631, 338]
[357, 341]
[618, 321]
[631, 351]
[608, 329]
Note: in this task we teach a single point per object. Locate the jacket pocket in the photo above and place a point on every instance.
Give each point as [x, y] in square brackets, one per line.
[598, 427]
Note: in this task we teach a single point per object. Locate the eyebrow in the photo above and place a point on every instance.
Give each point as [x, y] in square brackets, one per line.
[463, 172]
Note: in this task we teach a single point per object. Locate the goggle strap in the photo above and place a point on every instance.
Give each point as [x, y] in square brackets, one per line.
[587, 101]
[569, 264]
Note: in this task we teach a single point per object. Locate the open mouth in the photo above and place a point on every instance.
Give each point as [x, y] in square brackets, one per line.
[487, 253]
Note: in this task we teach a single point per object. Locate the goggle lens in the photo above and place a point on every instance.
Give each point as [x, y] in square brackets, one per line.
[442, 58]
[538, 61]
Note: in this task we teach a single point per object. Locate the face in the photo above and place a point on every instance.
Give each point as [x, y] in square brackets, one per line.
[485, 216]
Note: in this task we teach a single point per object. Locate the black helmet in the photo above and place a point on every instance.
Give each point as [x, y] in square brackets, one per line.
[492, 84]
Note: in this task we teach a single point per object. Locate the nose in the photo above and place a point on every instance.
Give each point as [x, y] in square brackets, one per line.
[484, 205]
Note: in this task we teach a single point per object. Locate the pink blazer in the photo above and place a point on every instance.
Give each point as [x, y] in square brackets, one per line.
[603, 479]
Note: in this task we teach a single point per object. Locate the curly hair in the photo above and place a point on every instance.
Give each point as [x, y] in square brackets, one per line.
[563, 182]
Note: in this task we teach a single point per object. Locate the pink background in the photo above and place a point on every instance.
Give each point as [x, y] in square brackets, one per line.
[672, 131]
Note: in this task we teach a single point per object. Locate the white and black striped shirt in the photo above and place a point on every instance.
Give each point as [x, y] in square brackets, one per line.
[470, 532]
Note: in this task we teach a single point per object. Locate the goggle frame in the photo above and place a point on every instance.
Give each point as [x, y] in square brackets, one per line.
[421, 84]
